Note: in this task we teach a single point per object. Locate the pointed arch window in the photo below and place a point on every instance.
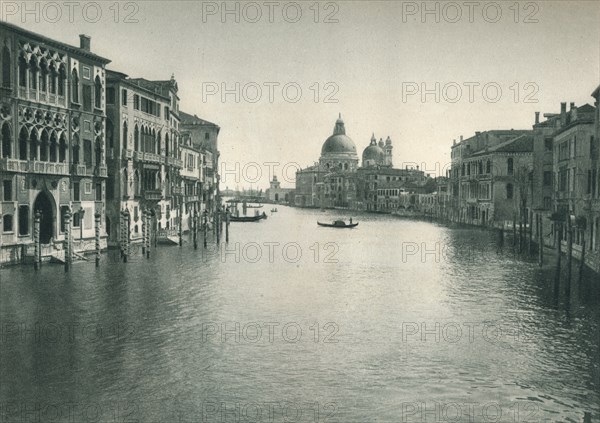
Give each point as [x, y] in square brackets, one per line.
[97, 93]
[6, 141]
[75, 86]
[136, 139]
[61, 80]
[124, 139]
[33, 76]
[23, 138]
[22, 72]
[6, 64]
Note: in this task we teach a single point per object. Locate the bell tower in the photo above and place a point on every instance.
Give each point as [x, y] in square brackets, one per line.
[388, 152]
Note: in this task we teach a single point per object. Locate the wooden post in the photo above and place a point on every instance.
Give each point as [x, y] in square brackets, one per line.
[540, 239]
[514, 230]
[126, 235]
[582, 262]
[217, 223]
[180, 225]
[121, 233]
[227, 213]
[144, 225]
[569, 251]
[97, 221]
[67, 240]
[195, 229]
[558, 228]
[205, 225]
[36, 240]
[521, 234]
[149, 229]
[530, 227]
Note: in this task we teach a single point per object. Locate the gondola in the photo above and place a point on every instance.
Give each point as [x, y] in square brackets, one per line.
[247, 218]
[338, 224]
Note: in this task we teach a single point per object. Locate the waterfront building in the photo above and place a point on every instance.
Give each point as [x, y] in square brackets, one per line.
[276, 194]
[143, 153]
[52, 128]
[490, 176]
[204, 137]
[575, 176]
[192, 177]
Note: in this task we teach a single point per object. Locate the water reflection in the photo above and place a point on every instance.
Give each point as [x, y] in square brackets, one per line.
[424, 317]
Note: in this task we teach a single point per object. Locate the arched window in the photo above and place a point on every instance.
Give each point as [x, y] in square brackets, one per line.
[98, 152]
[6, 141]
[509, 166]
[98, 93]
[110, 137]
[75, 86]
[43, 76]
[124, 140]
[6, 64]
[124, 184]
[33, 145]
[52, 80]
[53, 148]
[44, 146]
[136, 139]
[23, 138]
[509, 191]
[167, 145]
[76, 148]
[488, 167]
[33, 75]
[61, 80]
[62, 149]
[22, 72]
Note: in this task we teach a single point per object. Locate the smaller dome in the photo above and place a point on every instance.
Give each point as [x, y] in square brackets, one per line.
[373, 152]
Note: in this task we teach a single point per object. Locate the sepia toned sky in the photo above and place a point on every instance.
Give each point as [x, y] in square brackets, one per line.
[369, 61]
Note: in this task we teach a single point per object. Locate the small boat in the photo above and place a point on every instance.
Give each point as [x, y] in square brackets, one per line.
[252, 206]
[274, 210]
[247, 218]
[338, 224]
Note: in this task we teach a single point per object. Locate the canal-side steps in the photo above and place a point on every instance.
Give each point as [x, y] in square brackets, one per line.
[52, 254]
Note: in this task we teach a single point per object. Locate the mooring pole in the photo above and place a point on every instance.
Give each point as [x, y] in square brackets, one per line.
[126, 235]
[582, 262]
[569, 251]
[67, 240]
[144, 225]
[227, 213]
[195, 229]
[36, 240]
[149, 229]
[97, 221]
[205, 225]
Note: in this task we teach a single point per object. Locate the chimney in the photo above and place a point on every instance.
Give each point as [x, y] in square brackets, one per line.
[85, 42]
[572, 106]
[537, 117]
[563, 114]
[461, 138]
[453, 142]
[573, 113]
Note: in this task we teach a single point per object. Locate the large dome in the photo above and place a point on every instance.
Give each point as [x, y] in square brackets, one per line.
[373, 152]
[339, 142]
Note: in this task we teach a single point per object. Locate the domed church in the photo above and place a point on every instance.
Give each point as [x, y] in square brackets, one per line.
[378, 154]
[338, 153]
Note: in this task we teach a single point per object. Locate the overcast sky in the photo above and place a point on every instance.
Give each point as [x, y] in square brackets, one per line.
[371, 61]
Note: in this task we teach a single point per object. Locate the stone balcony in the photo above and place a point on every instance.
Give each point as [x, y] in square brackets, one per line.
[34, 166]
[152, 194]
[127, 154]
[146, 157]
[173, 161]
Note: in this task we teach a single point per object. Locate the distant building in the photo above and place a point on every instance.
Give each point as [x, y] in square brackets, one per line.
[338, 181]
[52, 130]
[276, 194]
[204, 136]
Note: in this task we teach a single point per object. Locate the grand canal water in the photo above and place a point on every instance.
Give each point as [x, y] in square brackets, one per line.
[393, 321]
